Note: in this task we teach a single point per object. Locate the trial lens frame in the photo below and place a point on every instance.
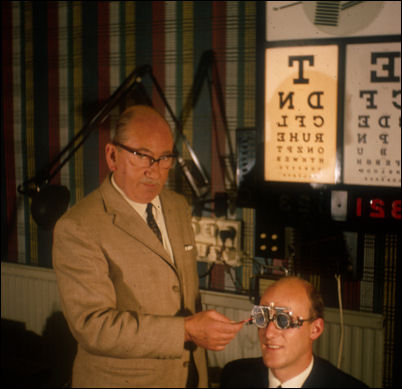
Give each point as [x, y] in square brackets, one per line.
[262, 315]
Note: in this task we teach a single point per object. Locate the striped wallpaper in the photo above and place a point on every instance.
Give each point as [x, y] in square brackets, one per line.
[62, 59]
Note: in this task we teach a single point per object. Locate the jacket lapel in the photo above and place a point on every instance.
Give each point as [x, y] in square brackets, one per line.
[128, 220]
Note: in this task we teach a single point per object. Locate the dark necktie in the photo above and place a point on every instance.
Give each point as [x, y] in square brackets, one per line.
[152, 222]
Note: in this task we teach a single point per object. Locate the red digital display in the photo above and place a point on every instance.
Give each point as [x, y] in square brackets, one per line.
[378, 208]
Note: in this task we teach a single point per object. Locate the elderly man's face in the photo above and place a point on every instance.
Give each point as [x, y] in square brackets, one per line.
[288, 352]
[150, 136]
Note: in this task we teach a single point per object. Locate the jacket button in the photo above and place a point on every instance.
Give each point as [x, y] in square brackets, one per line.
[176, 288]
[186, 364]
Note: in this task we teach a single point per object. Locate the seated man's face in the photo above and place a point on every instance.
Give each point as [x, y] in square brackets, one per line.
[288, 352]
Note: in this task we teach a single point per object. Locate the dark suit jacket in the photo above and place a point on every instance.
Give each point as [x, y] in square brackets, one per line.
[252, 373]
[122, 296]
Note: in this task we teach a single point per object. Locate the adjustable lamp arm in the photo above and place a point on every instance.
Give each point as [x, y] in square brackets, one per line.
[44, 195]
[34, 184]
[200, 188]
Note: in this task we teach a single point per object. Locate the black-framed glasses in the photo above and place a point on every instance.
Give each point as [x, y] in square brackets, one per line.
[262, 315]
[145, 161]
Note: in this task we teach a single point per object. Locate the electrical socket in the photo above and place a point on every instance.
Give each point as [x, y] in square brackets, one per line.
[218, 240]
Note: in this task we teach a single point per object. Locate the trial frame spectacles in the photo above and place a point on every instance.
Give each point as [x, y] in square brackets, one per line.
[262, 315]
[145, 161]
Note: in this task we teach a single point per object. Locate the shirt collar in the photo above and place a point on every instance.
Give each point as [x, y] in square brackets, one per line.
[295, 382]
[139, 207]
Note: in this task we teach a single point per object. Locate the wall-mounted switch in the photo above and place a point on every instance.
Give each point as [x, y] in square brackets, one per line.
[339, 205]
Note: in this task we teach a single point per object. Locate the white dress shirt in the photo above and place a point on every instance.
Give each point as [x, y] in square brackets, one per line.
[158, 214]
[295, 382]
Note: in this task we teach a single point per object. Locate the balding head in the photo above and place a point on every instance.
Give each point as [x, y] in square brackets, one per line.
[137, 114]
[316, 308]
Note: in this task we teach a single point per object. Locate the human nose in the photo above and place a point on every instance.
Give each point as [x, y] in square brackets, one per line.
[271, 330]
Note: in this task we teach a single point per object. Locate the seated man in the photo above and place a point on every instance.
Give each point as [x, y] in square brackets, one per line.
[289, 318]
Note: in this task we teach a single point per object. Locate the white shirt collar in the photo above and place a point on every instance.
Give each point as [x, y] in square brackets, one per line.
[139, 207]
[295, 382]
[158, 214]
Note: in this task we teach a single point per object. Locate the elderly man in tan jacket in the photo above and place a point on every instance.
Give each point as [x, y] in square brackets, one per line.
[125, 261]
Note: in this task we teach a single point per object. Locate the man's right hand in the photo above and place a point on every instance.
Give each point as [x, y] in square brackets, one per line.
[210, 330]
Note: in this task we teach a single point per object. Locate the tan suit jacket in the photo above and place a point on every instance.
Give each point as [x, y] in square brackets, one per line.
[122, 296]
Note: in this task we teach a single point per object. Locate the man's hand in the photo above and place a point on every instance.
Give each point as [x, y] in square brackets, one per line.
[210, 330]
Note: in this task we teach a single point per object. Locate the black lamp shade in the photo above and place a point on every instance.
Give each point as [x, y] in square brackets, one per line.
[49, 204]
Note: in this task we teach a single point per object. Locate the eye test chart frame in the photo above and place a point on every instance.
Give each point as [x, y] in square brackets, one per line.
[329, 100]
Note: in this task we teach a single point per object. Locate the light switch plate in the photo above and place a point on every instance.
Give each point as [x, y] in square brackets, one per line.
[339, 205]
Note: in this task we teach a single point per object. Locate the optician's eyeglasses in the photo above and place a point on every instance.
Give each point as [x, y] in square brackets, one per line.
[145, 161]
[262, 315]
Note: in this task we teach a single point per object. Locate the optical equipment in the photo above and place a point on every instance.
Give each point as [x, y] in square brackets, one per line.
[262, 315]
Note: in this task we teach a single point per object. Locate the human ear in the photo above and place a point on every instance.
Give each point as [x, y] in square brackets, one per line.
[110, 155]
[317, 328]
